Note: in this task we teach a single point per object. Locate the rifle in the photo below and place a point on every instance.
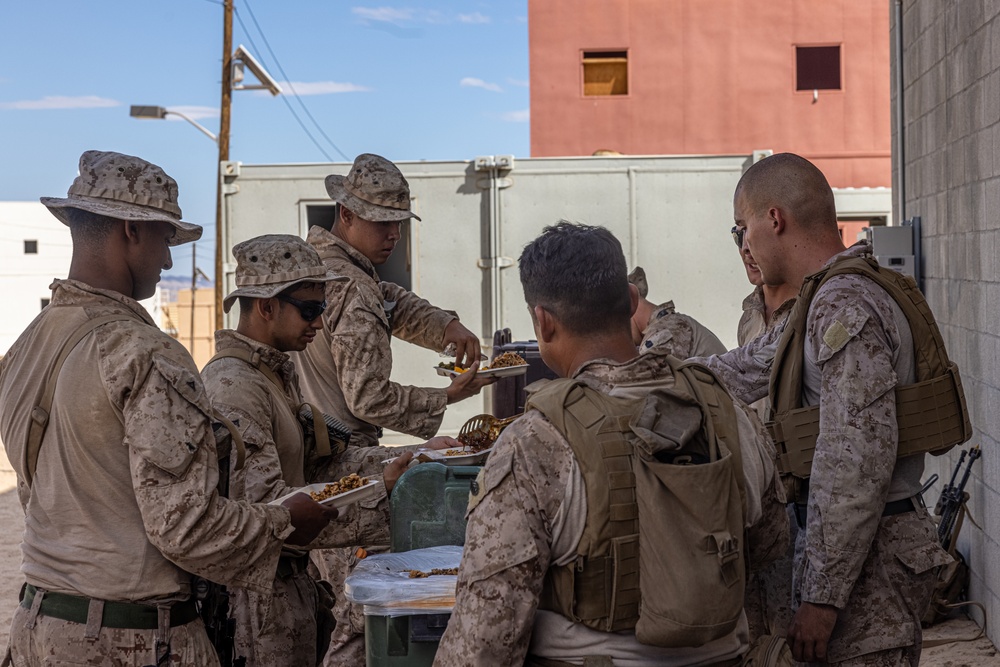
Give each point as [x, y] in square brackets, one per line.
[213, 598]
[953, 497]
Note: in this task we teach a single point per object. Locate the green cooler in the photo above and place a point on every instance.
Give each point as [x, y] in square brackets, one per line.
[427, 509]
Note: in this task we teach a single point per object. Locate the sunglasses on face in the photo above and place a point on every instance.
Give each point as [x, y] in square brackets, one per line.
[738, 233]
[309, 310]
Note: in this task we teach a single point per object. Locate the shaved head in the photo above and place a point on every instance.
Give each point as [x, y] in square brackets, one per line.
[793, 184]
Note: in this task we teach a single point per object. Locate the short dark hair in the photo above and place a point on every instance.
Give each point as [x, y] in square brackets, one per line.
[578, 273]
[793, 182]
[87, 228]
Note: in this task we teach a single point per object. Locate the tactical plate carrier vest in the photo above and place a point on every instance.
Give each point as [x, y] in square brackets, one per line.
[666, 468]
[931, 414]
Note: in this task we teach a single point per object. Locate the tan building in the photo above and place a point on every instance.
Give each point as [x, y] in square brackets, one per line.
[196, 333]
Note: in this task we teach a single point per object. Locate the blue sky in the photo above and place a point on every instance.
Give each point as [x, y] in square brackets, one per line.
[436, 79]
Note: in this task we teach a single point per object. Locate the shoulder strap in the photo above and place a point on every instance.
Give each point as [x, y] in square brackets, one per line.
[40, 413]
[252, 358]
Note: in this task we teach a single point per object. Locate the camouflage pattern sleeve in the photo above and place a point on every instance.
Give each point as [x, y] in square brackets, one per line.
[507, 546]
[362, 356]
[746, 371]
[856, 450]
[416, 320]
[174, 475]
[767, 529]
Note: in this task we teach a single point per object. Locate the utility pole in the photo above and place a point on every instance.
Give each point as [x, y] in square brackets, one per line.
[194, 286]
[224, 116]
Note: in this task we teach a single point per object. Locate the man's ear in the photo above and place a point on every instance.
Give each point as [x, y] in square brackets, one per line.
[633, 296]
[778, 220]
[266, 309]
[346, 216]
[132, 230]
[546, 328]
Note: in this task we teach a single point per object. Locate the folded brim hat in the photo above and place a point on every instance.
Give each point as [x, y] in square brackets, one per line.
[113, 208]
[337, 188]
[284, 281]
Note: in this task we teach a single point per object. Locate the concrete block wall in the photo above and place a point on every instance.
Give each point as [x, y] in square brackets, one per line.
[951, 179]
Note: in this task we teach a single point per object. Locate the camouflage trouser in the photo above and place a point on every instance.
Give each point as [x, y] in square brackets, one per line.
[56, 642]
[278, 628]
[347, 645]
[881, 620]
[769, 593]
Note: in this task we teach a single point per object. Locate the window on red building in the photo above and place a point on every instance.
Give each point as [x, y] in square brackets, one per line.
[605, 73]
[817, 68]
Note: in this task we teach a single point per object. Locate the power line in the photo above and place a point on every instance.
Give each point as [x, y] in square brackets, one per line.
[288, 80]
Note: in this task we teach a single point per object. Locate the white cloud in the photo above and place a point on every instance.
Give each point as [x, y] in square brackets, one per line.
[398, 16]
[193, 112]
[522, 116]
[473, 82]
[521, 83]
[383, 14]
[320, 87]
[63, 102]
[475, 17]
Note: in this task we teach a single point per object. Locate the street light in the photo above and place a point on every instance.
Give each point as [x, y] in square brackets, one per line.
[136, 111]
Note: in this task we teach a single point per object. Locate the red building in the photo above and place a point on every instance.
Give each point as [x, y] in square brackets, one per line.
[715, 76]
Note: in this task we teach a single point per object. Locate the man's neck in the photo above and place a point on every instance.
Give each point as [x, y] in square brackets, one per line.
[256, 333]
[616, 347]
[776, 295]
[643, 312]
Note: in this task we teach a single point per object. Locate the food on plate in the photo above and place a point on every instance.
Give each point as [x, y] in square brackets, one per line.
[508, 359]
[450, 366]
[345, 484]
[505, 360]
[438, 571]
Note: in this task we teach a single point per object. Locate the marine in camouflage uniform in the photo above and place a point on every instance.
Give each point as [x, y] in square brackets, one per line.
[529, 511]
[286, 627]
[346, 372]
[661, 327]
[862, 579]
[122, 506]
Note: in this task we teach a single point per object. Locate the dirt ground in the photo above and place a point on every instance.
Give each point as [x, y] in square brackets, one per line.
[979, 653]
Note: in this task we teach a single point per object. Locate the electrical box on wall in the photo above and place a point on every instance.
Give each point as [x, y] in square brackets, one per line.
[893, 248]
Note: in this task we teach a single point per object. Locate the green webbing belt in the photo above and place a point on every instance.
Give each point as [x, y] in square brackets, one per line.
[125, 615]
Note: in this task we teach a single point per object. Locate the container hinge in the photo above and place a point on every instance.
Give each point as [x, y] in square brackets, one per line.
[501, 262]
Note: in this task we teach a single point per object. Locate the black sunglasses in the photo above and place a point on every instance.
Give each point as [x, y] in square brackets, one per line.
[309, 310]
[738, 233]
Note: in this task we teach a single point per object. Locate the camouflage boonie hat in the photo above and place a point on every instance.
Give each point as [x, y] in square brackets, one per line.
[268, 265]
[374, 189]
[126, 188]
[638, 278]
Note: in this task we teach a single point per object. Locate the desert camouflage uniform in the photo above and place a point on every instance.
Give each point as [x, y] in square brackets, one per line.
[282, 628]
[527, 517]
[345, 372]
[124, 504]
[679, 335]
[878, 571]
[769, 589]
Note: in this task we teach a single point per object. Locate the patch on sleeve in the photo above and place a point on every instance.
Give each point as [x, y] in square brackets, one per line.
[836, 336]
[839, 328]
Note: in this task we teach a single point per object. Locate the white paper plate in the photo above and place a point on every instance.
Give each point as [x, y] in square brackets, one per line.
[507, 371]
[470, 459]
[365, 492]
